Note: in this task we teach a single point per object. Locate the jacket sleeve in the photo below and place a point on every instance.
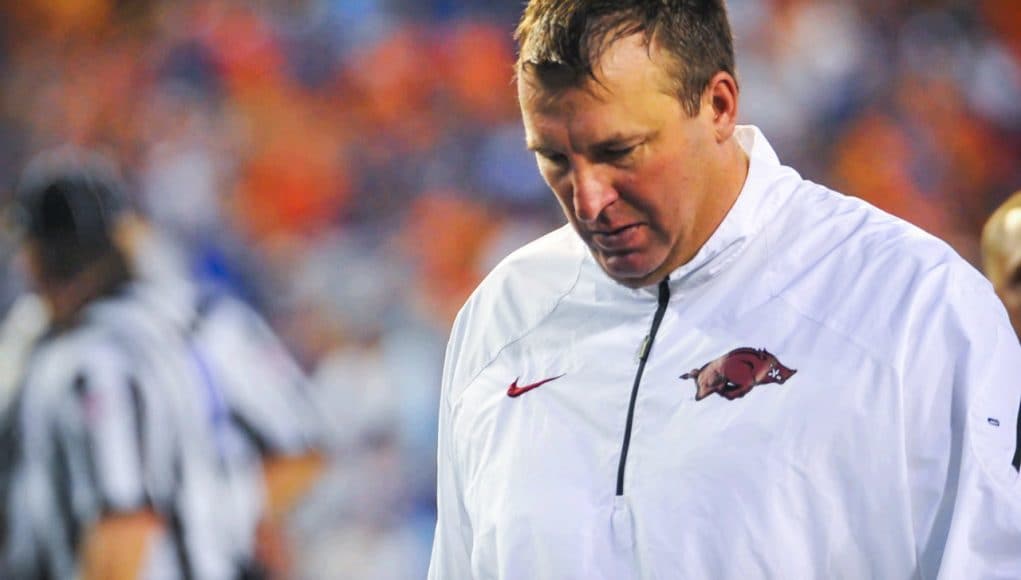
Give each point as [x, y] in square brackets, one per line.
[984, 535]
[966, 490]
[451, 553]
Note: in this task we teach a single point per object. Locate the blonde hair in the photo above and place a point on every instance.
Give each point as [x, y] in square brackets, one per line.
[1001, 238]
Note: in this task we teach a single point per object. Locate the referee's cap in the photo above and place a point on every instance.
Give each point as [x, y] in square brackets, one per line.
[69, 194]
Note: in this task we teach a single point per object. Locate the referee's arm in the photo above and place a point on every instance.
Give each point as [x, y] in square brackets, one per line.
[116, 546]
[103, 424]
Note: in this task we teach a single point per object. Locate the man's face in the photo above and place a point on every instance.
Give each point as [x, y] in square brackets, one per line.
[632, 171]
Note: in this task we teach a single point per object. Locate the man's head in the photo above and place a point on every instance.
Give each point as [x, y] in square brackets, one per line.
[630, 107]
[68, 203]
[1001, 255]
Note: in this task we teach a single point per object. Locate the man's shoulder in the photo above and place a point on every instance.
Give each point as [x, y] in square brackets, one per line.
[83, 345]
[863, 271]
[830, 232]
[548, 265]
[61, 362]
[516, 296]
[76, 342]
[113, 330]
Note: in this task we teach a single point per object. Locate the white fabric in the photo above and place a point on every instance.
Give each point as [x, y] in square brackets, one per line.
[261, 382]
[21, 326]
[885, 455]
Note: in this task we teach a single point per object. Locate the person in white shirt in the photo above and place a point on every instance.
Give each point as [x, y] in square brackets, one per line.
[717, 369]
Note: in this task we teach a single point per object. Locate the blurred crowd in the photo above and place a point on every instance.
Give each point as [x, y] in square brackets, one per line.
[352, 168]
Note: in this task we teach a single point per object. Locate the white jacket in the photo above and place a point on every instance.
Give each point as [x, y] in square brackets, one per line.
[879, 446]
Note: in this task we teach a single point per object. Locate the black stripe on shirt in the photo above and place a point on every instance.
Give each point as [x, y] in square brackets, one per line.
[60, 471]
[138, 413]
[177, 527]
[262, 443]
[1017, 445]
[81, 388]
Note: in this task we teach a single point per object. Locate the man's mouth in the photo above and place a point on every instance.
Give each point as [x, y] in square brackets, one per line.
[616, 239]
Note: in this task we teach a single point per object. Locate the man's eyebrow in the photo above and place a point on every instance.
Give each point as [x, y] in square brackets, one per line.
[613, 140]
[616, 140]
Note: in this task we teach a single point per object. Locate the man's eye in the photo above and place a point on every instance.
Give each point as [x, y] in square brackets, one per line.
[550, 157]
[617, 153]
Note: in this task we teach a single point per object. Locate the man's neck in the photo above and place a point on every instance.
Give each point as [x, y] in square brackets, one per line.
[67, 299]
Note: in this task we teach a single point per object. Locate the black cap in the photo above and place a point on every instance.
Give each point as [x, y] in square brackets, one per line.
[69, 195]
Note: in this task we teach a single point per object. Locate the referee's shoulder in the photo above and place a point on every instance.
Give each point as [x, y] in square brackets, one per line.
[64, 358]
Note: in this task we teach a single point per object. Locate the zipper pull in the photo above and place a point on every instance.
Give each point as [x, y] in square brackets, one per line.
[643, 349]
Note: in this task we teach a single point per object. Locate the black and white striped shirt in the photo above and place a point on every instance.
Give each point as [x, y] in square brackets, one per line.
[113, 417]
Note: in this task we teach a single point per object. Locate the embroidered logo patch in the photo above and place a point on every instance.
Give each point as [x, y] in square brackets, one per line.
[736, 373]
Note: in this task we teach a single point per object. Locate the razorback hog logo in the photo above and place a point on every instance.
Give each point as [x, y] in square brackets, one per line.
[736, 373]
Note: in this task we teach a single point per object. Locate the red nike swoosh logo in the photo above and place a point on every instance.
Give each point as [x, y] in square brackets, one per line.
[515, 391]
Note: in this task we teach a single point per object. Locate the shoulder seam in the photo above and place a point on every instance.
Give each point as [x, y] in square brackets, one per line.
[526, 332]
[840, 333]
[781, 296]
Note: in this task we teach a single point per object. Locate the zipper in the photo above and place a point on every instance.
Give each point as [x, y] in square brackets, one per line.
[643, 356]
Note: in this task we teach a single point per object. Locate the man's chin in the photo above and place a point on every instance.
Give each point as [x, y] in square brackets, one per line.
[629, 270]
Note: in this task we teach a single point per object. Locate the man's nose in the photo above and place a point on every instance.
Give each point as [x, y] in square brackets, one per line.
[593, 192]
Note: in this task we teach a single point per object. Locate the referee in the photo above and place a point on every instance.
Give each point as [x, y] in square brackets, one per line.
[117, 471]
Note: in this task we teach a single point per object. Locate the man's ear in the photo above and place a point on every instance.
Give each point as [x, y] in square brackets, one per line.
[721, 97]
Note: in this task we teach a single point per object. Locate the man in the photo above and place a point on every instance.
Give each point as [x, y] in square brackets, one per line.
[139, 454]
[1001, 255]
[717, 369]
[115, 474]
